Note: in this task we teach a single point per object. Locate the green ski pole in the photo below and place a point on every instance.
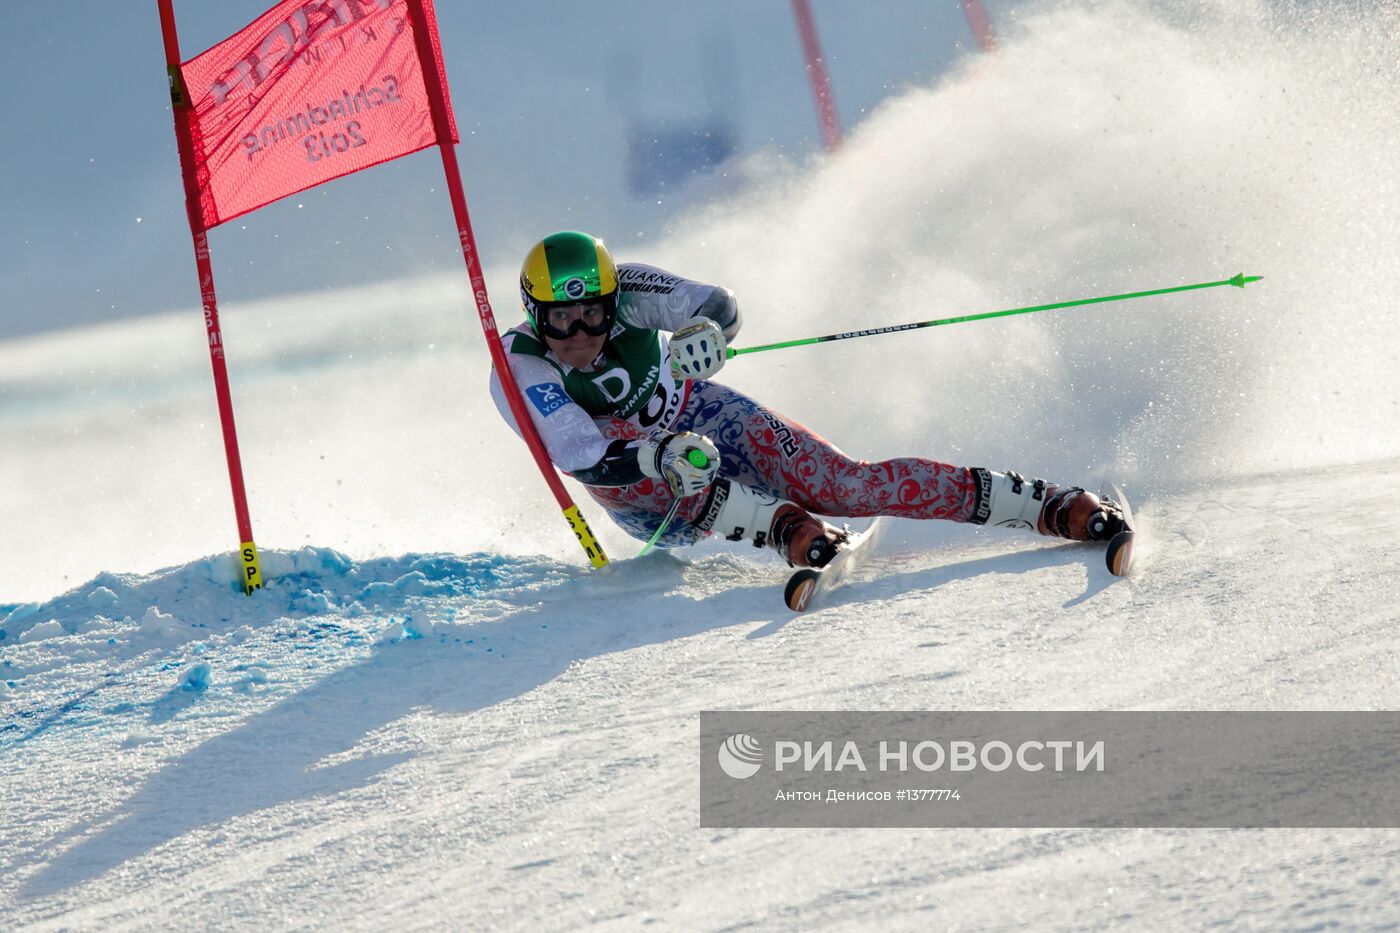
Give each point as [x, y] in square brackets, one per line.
[698, 459]
[1238, 281]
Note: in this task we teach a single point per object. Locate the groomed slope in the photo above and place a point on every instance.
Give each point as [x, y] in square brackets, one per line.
[510, 742]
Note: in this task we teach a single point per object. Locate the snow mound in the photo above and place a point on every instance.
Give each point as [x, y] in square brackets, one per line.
[306, 582]
[118, 627]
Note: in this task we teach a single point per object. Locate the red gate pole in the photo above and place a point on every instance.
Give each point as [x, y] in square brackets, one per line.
[981, 25]
[816, 72]
[433, 81]
[250, 572]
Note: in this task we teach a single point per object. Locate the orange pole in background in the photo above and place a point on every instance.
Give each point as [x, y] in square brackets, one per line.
[981, 25]
[816, 72]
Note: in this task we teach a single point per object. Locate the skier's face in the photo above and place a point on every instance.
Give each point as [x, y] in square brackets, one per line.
[579, 350]
[576, 332]
[563, 321]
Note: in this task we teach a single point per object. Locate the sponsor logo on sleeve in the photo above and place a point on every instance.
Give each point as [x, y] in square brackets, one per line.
[547, 398]
[642, 281]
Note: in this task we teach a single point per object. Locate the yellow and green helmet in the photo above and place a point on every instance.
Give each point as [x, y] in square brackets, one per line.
[566, 268]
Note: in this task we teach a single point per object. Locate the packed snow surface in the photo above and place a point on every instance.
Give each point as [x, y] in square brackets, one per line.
[435, 715]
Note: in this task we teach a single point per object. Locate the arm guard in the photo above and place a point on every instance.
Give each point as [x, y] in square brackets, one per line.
[723, 309]
[619, 467]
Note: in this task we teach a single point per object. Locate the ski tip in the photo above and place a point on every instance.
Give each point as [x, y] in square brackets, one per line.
[805, 586]
[800, 590]
[1119, 556]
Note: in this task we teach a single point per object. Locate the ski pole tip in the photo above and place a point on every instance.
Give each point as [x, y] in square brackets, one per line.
[1241, 280]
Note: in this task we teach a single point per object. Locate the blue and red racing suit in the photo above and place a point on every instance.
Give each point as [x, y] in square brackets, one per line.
[588, 419]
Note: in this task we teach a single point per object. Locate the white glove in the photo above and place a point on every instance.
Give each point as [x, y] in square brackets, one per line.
[697, 349]
[686, 462]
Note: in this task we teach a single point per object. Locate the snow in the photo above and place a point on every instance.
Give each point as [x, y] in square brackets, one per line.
[49, 629]
[526, 756]
[435, 716]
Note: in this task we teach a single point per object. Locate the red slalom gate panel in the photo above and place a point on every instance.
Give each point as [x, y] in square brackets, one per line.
[306, 93]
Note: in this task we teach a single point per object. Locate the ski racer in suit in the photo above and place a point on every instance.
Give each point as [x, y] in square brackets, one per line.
[614, 363]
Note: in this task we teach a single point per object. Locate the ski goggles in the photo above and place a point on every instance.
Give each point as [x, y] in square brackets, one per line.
[562, 321]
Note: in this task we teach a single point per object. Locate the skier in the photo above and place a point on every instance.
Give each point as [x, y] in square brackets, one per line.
[633, 415]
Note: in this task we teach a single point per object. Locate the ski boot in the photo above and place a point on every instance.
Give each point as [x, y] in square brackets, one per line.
[738, 512]
[1008, 501]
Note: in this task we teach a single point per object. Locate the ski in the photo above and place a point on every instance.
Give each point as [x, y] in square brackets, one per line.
[807, 585]
[1119, 555]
